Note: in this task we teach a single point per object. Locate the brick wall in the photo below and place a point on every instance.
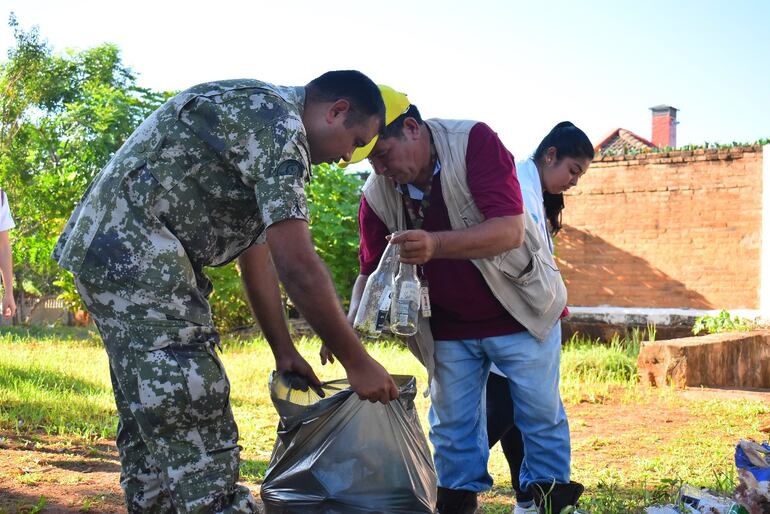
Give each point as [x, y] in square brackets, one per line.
[679, 229]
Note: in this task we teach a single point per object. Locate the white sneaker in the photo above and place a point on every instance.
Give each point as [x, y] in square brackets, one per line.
[524, 510]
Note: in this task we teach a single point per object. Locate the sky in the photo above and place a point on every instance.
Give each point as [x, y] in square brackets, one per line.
[519, 66]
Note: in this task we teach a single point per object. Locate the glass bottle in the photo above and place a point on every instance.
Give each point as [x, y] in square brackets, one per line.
[374, 308]
[406, 301]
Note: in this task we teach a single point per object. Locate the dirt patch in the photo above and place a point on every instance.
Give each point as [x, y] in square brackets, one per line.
[599, 431]
[619, 436]
[52, 475]
[47, 474]
[723, 393]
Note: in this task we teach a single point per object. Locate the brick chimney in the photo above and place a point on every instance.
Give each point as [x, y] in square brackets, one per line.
[664, 126]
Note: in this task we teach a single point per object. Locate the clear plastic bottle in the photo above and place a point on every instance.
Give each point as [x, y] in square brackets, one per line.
[374, 308]
[405, 306]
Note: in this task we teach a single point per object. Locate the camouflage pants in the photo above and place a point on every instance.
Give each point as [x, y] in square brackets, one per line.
[177, 439]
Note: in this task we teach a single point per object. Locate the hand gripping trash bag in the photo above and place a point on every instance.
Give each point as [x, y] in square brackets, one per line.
[339, 454]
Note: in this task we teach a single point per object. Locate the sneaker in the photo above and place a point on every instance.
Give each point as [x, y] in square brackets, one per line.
[531, 509]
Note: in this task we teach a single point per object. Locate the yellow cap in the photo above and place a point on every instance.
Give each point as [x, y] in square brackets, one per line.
[396, 104]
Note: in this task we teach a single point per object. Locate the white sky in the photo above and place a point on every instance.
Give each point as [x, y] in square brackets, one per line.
[521, 67]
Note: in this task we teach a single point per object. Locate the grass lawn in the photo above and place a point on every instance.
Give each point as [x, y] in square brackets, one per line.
[632, 446]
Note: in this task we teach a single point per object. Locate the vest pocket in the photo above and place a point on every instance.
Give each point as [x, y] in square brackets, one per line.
[536, 278]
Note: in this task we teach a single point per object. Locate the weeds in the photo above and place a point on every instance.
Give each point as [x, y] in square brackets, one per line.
[722, 322]
[30, 509]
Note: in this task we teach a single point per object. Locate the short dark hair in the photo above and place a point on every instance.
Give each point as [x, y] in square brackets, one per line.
[569, 141]
[363, 95]
[395, 127]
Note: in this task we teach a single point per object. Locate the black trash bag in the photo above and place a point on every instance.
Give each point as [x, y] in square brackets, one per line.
[337, 454]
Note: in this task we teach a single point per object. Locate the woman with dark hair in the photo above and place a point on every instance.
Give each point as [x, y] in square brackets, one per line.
[562, 157]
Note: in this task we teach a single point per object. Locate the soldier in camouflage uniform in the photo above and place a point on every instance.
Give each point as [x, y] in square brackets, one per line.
[215, 172]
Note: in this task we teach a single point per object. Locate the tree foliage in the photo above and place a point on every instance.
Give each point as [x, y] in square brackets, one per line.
[229, 306]
[333, 197]
[61, 119]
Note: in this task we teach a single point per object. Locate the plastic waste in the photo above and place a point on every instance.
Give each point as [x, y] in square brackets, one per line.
[694, 500]
[341, 455]
[701, 501]
[661, 509]
[752, 461]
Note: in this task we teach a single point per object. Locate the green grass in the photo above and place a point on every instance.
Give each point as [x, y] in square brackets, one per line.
[593, 372]
[626, 450]
[59, 385]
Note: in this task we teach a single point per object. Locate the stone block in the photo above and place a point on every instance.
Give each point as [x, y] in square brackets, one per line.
[734, 359]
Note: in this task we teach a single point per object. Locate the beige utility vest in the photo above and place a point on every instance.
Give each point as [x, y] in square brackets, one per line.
[525, 280]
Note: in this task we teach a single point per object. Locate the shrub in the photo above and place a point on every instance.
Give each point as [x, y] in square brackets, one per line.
[229, 306]
[722, 322]
[333, 197]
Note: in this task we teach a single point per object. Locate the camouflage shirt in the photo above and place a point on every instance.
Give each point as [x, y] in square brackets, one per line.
[195, 185]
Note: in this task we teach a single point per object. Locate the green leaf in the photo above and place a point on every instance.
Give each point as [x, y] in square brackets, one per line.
[62, 116]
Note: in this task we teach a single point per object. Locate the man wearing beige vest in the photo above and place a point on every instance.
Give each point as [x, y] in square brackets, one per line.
[495, 293]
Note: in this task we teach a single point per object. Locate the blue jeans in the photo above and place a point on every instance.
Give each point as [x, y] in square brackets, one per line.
[457, 415]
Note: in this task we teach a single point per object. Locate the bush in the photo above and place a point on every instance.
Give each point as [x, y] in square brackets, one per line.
[229, 307]
[722, 322]
[333, 197]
